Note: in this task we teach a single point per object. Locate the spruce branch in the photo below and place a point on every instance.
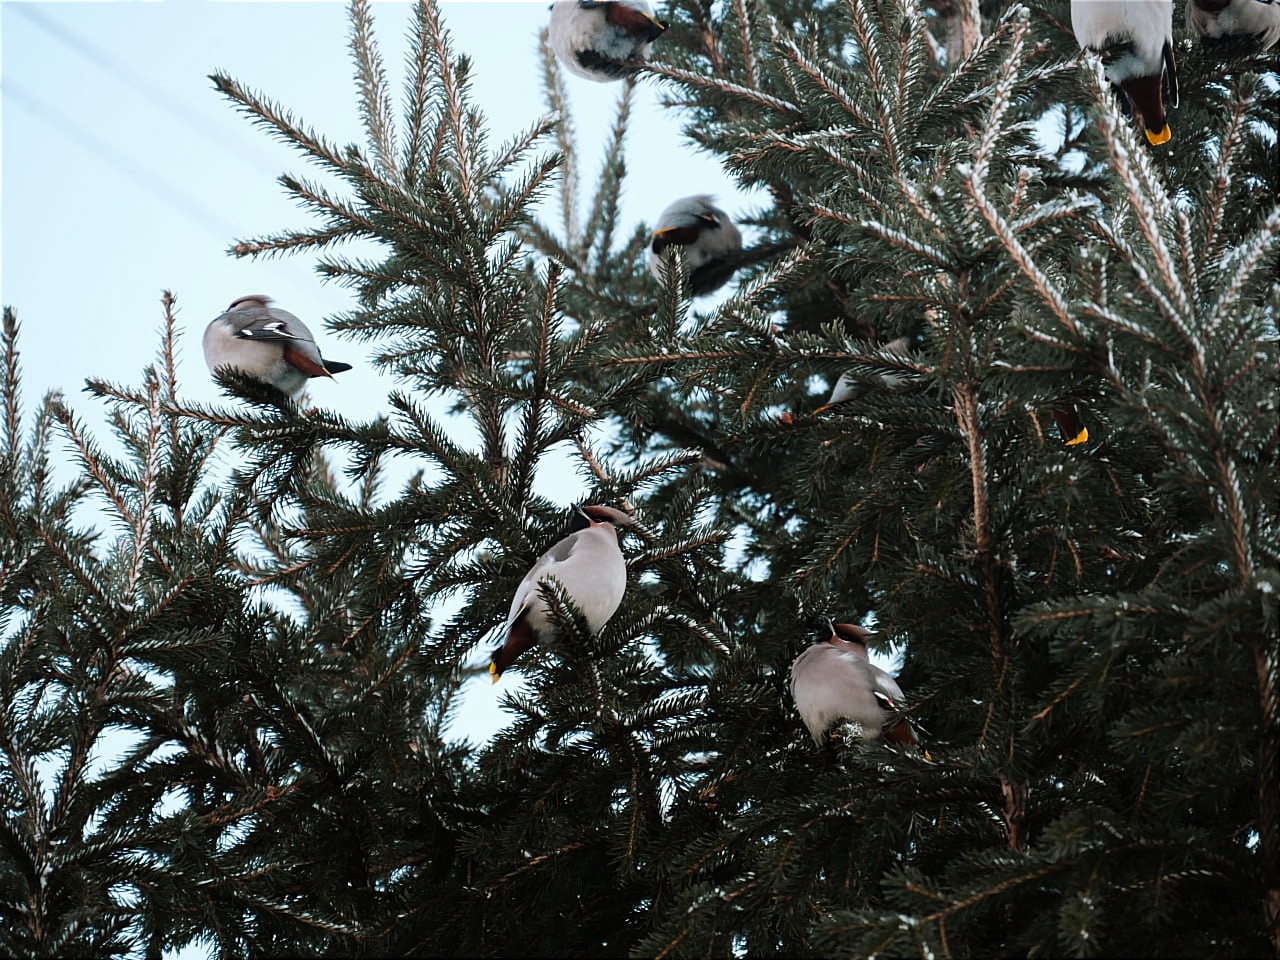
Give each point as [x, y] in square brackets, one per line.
[1251, 263]
[558, 107]
[375, 101]
[833, 88]
[532, 427]
[281, 124]
[602, 221]
[743, 16]
[1145, 194]
[746, 97]
[10, 389]
[1001, 100]
[415, 165]
[1228, 150]
[452, 86]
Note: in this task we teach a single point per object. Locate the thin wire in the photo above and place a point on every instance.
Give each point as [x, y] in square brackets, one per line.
[183, 112]
[102, 150]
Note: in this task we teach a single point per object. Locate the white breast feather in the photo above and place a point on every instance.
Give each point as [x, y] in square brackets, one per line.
[1147, 24]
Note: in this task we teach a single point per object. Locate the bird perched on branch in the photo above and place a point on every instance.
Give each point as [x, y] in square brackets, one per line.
[267, 344]
[1219, 19]
[588, 564]
[710, 241]
[603, 41]
[834, 679]
[1135, 40]
[850, 386]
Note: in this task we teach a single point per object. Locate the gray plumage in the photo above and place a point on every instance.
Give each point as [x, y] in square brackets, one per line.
[834, 680]
[588, 564]
[603, 41]
[1217, 19]
[266, 343]
[710, 241]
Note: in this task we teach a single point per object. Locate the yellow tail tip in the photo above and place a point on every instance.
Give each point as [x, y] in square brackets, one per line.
[1080, 437]
[1159, 136]
[493, 672]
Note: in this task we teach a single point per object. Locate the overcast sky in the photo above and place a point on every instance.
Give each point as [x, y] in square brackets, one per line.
[125, 174]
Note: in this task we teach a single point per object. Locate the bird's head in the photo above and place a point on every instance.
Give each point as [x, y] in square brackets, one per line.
[590, 515]
[250, 300]
[683, 221]
[848, 633]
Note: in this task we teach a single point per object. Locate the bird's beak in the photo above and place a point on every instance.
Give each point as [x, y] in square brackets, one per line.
[825, 406]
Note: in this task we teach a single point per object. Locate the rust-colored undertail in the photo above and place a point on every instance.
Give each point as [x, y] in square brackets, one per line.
[300, 361]
[519, 639]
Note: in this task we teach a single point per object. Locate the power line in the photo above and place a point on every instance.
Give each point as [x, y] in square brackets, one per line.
[149, 180]
[181, 111]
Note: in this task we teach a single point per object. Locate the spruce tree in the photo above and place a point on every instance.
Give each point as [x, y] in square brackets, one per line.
[227, 699]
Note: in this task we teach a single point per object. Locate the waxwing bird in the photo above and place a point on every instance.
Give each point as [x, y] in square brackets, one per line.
[1135, 40]
[1070, 424]
[709, 238]
[588, 564]
[603, 41]
[850, 386]
[266, 343]
[1218, 19]
[834, 679]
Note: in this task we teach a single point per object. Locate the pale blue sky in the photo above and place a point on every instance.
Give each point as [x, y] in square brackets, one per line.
[125, 173]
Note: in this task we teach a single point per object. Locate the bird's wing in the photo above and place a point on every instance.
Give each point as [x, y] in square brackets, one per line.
[559, 553]
[264, 326]
[885, 686]
[268, 325]
[827, 684]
